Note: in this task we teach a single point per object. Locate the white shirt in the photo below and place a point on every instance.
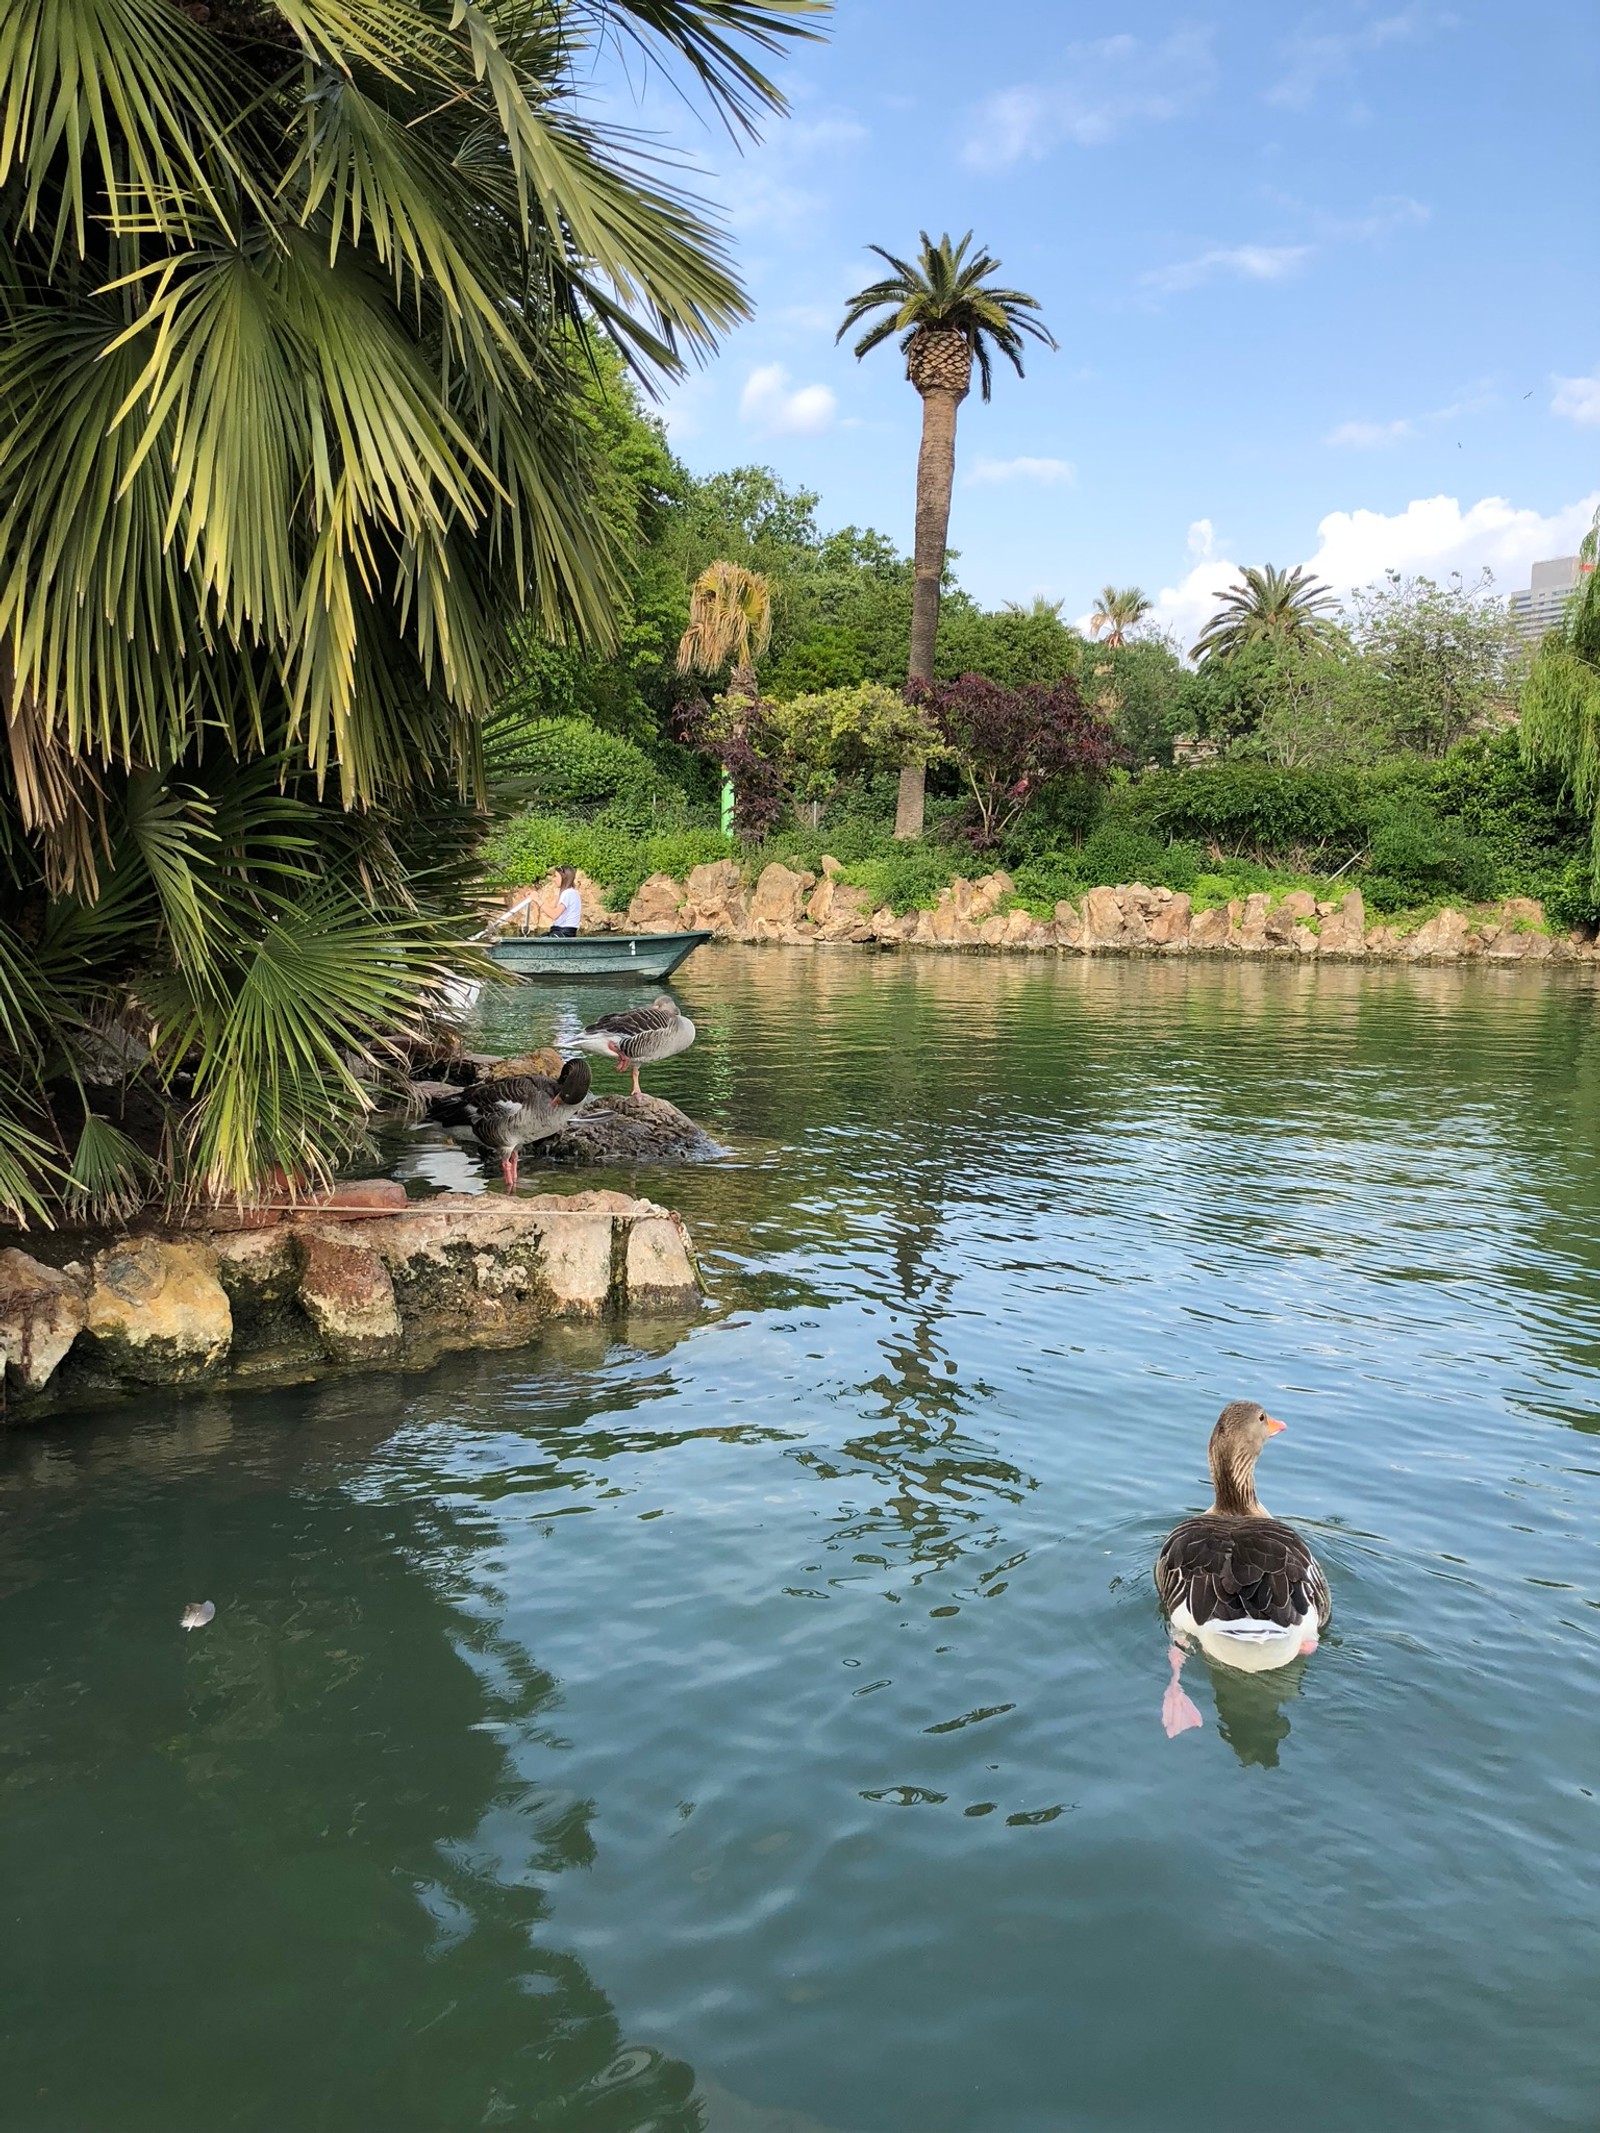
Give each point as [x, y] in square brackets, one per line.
[569, 912]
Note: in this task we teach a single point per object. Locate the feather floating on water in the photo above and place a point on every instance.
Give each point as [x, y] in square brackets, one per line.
[198, 1613]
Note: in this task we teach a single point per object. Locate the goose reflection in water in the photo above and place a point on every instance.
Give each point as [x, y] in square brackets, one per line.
[1251, 1714]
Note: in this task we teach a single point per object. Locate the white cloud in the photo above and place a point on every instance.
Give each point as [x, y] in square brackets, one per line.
[1242, 262]
[987, 471]
[1107, 86]
[1316, 57]
[1368, 436]
[1201, 539]
[1431, 537]
[768, 404]
[1579, 400]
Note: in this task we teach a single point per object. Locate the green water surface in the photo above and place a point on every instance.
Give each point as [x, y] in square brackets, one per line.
[753, 1726]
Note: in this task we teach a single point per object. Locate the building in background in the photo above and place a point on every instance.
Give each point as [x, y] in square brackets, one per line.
[1544, 603]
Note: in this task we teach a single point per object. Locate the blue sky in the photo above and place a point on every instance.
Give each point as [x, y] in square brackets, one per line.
[1324, 283]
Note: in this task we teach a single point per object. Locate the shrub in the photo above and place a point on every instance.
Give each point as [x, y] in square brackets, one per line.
[613, 854]
[1416, 856]
[1256, 809]
[909, 877]
[567, 763]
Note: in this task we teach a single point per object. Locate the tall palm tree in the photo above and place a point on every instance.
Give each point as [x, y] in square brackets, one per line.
[295, 329]
[949, 314]
[1116, 612]
[730, 623]
[1272, 606]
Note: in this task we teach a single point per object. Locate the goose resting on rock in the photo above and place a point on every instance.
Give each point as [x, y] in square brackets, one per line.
[505, 1113]
[640, 1036]
[1237, 1580]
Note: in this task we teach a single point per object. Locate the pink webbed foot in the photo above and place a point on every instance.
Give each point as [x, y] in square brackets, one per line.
[1309, 1643]
[1178, 1713]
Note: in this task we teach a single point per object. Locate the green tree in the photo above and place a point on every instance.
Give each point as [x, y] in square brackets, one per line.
[1141, 688]
[949, 314]
[1561, 700]
[1442, 656]
[1117, 612]
[1271, 606]
[1012, 645]
[835, 735]
[292, 435]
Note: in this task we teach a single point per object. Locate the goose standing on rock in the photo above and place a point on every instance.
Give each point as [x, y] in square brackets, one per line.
[1237, 1580]
[640, 1036]
[506, 1113]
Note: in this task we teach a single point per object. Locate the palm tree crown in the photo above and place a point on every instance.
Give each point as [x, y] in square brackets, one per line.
[944, 294]
[1116, 612]
[1272, 606]
[730, 618]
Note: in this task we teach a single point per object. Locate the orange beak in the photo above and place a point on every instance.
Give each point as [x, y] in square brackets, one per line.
[1274, 1425]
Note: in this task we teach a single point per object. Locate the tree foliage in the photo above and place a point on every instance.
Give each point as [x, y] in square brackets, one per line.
[944, 291]
[1270, 606]
[1009, 744]
[301, 313]
[1561, 700]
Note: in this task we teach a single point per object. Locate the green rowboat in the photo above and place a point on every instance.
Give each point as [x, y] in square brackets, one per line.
[595, 955]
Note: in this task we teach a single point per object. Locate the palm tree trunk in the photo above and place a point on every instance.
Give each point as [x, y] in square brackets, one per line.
[936, 468]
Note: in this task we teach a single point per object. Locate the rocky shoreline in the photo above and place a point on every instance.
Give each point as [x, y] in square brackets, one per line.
[800, 908]
[258, 1300]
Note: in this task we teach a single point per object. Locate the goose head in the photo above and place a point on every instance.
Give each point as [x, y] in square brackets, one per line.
[1243, 1427]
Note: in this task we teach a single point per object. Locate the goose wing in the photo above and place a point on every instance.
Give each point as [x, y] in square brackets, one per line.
[635, 1022]
[1241, 1569]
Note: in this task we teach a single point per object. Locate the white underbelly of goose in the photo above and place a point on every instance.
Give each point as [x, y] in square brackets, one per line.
[1249, 1647]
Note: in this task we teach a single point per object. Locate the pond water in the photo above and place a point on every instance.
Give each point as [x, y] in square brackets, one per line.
[756, 1729]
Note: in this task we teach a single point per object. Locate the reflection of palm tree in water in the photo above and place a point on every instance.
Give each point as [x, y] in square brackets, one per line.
[941, 1483]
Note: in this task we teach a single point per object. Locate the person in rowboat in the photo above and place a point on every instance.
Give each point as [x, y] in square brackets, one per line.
[569, 911]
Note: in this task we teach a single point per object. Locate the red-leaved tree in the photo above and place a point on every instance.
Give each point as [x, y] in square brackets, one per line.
[736, 733]
[1011, 742]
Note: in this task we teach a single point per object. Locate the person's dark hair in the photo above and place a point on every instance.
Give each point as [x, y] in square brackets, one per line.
[566, 876]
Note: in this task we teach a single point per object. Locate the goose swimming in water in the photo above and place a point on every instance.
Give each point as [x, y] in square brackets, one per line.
[640, 1036]
[505, 1113]
[1238, 1581]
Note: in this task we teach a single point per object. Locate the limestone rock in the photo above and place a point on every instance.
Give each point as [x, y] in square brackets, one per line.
[1069, 926]
[1305, 941]
[1441, 939]
[1248, 931]
[349, 1297]
[157, 1311]
[659, 1267]
[829, 865]
[714, 899]
[1208, 930]
[778, 901]
[1104, 925]
[1344, 929]
[1169, 925]
[576, 1263]
[655, 907]
[42, 1312]
[1299, 905]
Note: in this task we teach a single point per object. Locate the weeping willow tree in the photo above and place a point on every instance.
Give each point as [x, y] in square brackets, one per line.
[1561, 699]
[297, 308]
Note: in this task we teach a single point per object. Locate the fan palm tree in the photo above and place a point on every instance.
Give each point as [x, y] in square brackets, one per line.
[295, 326]
[1272, 606]
[949, 314]
[1116, 612]
[730, 623]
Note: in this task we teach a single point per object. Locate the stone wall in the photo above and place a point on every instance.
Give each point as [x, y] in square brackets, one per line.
[312, 1293]
[795, 908]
